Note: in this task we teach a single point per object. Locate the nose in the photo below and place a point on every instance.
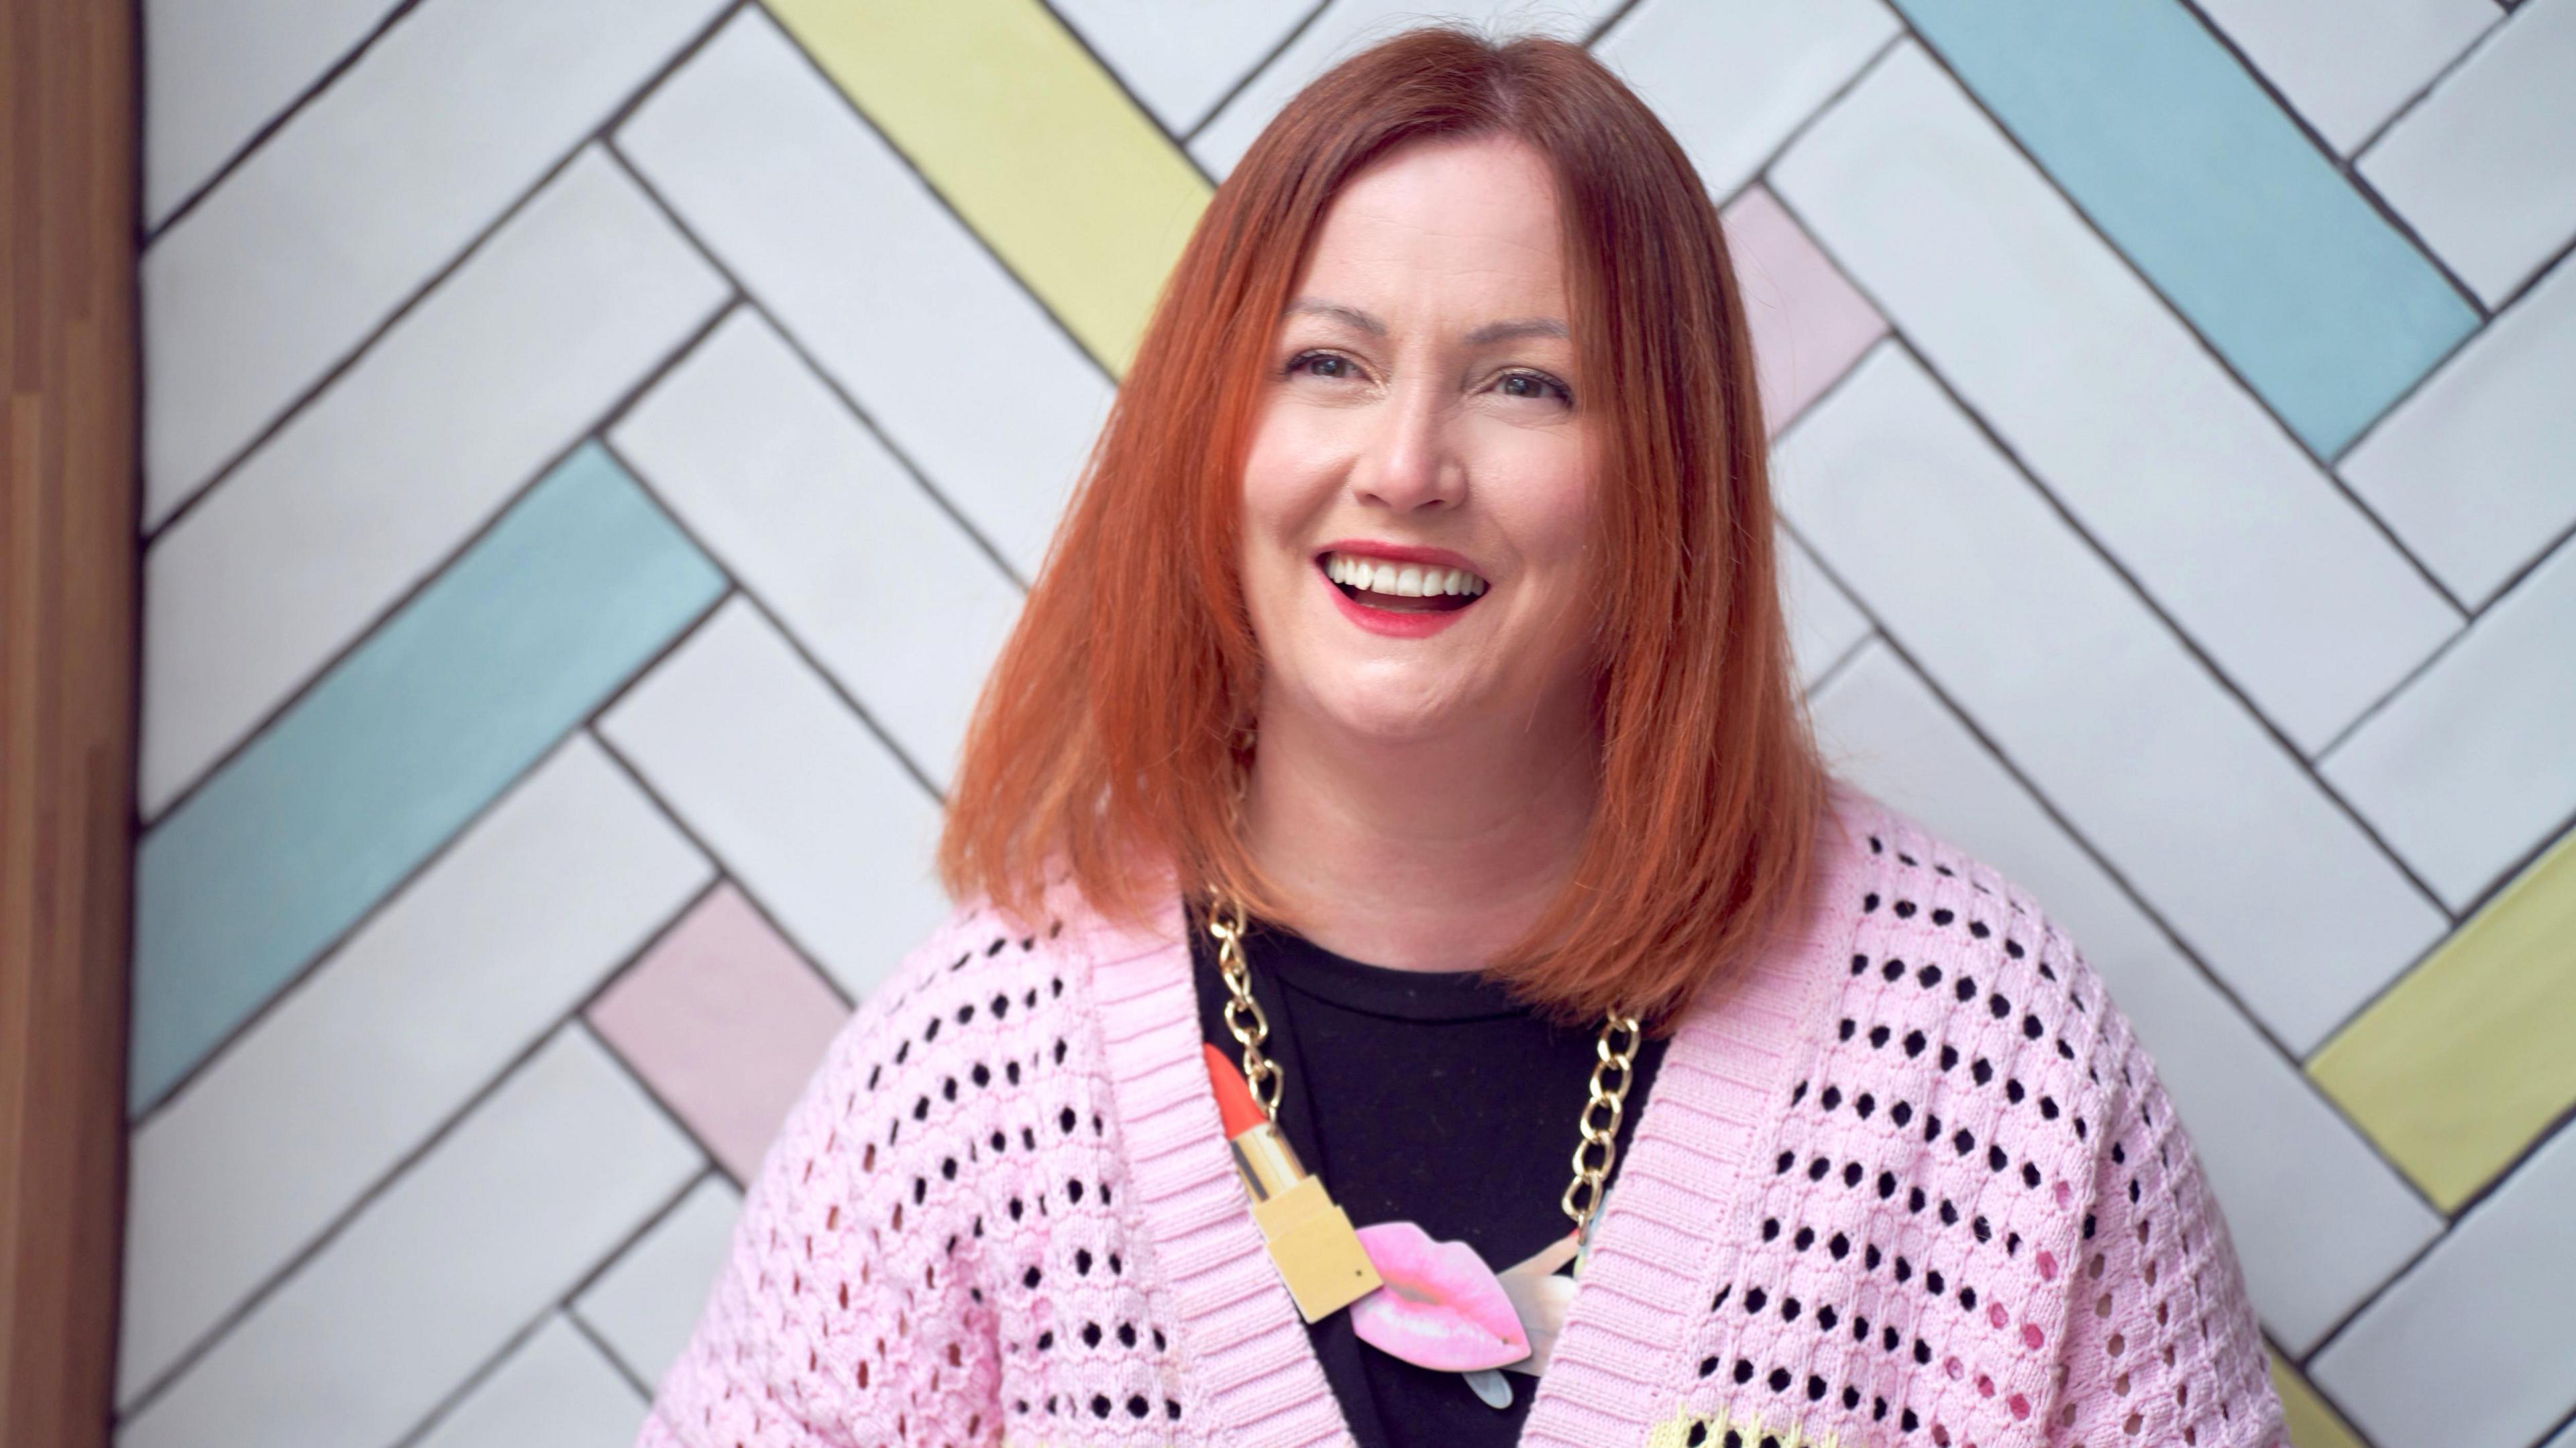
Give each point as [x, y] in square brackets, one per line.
[1410, 463]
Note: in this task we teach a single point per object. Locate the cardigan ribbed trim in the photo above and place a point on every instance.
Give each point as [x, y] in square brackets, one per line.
[1906, 1180]
[1627, 1319]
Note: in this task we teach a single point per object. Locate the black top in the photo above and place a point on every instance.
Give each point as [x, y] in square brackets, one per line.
[1428, 1097]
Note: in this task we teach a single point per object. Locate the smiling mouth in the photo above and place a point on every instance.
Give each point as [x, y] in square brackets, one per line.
[1401, 587]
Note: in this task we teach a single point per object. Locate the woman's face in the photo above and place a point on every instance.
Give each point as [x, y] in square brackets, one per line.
[1418, 498]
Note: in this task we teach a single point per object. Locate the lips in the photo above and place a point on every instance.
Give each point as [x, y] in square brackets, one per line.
[1441, 1307]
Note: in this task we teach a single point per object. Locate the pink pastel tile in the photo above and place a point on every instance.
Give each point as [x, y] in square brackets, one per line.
[725, 1021]
[1809, 324]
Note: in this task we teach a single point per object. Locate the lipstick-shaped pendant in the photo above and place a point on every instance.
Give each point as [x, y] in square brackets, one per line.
[1311, 1240]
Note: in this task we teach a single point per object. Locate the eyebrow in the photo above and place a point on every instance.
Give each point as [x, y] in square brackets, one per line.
[1486, 335]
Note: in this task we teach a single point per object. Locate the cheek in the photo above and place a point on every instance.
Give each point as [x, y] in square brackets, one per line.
[1542, 495]
[1287, 469]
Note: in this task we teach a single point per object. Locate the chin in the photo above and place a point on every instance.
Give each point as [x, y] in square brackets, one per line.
[1394, 705]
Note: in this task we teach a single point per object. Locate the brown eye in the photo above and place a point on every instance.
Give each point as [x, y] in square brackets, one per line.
[1534, 384]
[1321, 364]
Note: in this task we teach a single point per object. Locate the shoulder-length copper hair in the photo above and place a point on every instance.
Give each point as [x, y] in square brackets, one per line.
[1110, 731]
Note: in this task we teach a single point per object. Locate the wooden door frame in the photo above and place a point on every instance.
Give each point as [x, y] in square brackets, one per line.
[69, 490]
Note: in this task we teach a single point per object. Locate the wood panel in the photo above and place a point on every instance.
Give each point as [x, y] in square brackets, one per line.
[67, 650]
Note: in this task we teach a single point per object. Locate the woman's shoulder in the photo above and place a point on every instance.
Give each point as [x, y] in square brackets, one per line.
[1956, 967]
[1973, 1119]
[986, 1006]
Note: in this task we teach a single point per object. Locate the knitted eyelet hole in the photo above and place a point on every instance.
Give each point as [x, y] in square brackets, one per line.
[2132, 1423]
[2114, 1346]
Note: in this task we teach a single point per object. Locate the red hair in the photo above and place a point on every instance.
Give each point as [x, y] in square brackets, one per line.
[1107, 741]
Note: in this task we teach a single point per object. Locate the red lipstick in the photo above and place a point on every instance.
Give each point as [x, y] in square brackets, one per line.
[1388, 622]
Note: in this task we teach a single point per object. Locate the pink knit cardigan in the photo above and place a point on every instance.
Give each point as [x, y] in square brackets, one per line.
[1908, 1181]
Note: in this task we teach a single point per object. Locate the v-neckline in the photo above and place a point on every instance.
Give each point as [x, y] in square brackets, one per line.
[1626, 1321]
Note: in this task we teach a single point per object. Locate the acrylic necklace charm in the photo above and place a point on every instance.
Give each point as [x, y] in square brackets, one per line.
[1433, 1304]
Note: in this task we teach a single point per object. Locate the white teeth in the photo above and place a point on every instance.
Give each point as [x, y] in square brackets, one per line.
[1401, 580]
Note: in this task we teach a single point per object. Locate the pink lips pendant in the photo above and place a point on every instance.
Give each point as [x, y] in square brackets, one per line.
[1439, 1307]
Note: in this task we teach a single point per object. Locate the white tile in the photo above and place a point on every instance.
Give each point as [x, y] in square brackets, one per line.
[810, 209]
[2474, 763]
[804, 506]
[2475, 1347]
[2484, 168]
[2056, 660]
[357, 1065]
[2277, 1155]
[1824, 623]
[1345, 28]
[215, 71]
[499, 1219]
[1180, 60]
[1778, 63]
[355, 203]
[2110, 400]
[2347, 65]
[647, 1302]
[2477, 469]
[553, 1391]
[809, 813]
[433, 431]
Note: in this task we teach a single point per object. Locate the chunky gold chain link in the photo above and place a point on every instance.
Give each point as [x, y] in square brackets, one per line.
[1612, 1072]
[1243, 1014]
[1591, 1173]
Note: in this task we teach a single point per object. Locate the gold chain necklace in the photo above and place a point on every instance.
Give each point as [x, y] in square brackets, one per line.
[1599, 1123]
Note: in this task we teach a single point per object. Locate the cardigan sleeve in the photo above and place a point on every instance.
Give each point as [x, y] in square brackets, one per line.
[2160, 1342]
[845, 1307]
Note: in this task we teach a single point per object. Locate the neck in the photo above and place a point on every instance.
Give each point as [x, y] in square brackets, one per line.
[1431, 855]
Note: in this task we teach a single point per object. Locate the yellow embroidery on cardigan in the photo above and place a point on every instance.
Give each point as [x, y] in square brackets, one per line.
[1750, 1431]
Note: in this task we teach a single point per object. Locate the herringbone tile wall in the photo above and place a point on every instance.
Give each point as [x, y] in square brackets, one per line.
[594, 448]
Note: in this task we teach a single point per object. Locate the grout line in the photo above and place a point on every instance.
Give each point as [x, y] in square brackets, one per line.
[1898, 335]
[2421, 93]
[724, 872]
[633, 1379]
[2503, 880]
[831, 681]
[1259, 68]
[148, 232]
[412, 300]
[941, 199]
[751, 298]
[138, 1118]
[2450, 1229]
[1055, 11]
[298, 689]
[482, 1373]
[2191, 329]
[457, 1395]
[2137, 895]
[287, 1268]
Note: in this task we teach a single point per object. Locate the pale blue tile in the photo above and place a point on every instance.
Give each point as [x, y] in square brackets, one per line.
[2161, 137]
[334, 803]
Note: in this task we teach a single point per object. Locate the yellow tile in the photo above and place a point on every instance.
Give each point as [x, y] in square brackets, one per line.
[2313, 1424]
[2467, 1059]
[1028, 139]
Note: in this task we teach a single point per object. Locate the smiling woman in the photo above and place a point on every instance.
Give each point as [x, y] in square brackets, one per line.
[1414, 980]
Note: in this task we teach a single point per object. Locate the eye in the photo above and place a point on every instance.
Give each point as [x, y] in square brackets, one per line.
[1330, 365]
[1534, 384]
